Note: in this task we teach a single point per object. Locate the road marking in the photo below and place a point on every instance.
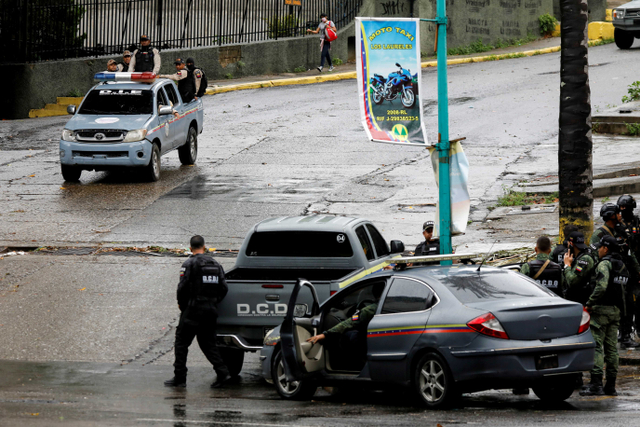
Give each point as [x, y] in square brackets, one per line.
[213, 422]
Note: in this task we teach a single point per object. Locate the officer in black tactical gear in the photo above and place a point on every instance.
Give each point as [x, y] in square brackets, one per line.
[430, 246]
[199, 76]
[146, 58]
[202, 286]
[630, 229]
[543, 270]
[605, 305]
[185, 80]
[610, 214]
[557, 255]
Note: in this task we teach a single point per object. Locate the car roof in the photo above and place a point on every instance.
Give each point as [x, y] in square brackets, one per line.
[311, 223]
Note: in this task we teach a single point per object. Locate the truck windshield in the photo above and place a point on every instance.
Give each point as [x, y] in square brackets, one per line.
[316, 244]
[118, 101]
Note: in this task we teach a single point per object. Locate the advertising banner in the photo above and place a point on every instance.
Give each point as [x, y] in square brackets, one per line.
[388, 64]
[459, 174]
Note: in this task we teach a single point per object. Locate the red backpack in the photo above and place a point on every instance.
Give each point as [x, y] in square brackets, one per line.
[330, 34]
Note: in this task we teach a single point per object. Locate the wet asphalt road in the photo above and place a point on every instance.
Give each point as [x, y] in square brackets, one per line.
[87, 340]
[300, 149]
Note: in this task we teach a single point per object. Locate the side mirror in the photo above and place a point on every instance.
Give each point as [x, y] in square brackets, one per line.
[300, 310]
[397, 246]
[165, 110]
[71, 109]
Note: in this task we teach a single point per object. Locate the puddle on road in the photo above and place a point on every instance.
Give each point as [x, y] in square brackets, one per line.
[244, 189]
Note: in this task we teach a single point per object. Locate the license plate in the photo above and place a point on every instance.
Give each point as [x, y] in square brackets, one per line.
[548, 361]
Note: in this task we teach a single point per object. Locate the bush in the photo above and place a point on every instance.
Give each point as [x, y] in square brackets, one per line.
[337, 61]
[228, 76]
[547, 24]
[300, 69]
[285, 27]
[634, 92]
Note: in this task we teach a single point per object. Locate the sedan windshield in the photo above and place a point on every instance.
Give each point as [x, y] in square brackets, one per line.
[118, 101]
[492, 285]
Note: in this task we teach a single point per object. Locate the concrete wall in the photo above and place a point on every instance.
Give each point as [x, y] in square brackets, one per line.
[597, 10]
[31, 86]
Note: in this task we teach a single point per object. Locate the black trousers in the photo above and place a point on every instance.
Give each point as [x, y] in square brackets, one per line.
[326, 47]
[633, 310]
[202, 326]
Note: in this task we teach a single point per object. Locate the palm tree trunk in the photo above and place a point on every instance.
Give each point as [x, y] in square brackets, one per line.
[574, 139]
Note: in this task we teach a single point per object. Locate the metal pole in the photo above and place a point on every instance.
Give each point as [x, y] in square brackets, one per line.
[443, 134]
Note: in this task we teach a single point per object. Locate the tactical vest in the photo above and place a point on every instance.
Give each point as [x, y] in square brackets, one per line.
[125, 67]
[206, 278]
[618, 279]
[558, 254]
[187, 87]
[550, 277]
[429, 248]
[144, 59]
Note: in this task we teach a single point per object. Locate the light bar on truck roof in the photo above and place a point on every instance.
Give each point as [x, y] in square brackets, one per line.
[143, 77]
[431, 258]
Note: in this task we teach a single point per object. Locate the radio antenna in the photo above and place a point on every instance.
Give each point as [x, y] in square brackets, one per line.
[488, 255]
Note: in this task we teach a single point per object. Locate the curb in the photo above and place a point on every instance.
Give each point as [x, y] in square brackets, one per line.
[353, 74]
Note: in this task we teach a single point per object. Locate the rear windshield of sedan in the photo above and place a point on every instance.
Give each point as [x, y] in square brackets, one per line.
[492, 285]
[118, 101]
[316, 244]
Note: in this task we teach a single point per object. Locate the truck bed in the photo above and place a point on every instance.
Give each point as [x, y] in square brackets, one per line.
[268, 274]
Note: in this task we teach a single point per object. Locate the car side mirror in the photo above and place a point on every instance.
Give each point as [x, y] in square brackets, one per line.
[165, 110]
[397, 246]
[300, 310]
[71, 109]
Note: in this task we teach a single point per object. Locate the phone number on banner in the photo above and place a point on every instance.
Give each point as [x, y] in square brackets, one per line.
[403, 118]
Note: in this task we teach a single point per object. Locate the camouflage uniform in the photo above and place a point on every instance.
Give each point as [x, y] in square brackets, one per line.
[577, 278]
[358, 321]
[605, 303]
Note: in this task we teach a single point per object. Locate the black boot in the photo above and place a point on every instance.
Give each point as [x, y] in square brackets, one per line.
[610, 387]
[222, 377]
[176, 382]
[595, 388]
[628, 342]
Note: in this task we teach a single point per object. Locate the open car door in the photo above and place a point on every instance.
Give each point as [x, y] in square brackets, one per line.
[301, 358]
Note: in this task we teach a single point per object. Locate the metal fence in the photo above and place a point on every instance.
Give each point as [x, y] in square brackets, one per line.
[37, 30]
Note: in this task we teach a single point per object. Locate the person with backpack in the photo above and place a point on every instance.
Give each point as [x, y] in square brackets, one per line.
[327, 31]
[202, 286]
[543, 270]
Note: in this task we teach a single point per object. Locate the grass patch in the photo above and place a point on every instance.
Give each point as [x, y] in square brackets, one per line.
[76, 93]
[300, 69]
[600, 42]
[228, 76]
[510, 197]
[337, 61]
[633, 92]
[479, 46]
[633, 129]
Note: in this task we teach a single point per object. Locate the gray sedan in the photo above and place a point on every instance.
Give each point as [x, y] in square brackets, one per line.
[440, 330]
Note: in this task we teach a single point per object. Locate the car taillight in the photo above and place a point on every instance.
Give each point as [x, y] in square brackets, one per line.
[584, 322]
[487, 324]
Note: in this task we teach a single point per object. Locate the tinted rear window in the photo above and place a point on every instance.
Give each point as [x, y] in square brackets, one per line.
[118, 101]
[317, 244]
[492, 285]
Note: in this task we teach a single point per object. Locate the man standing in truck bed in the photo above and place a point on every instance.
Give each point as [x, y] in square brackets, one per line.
[202, 285]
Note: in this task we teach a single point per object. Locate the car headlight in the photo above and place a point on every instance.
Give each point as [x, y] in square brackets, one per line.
[618, 13]
[135, 135]
[68, 135]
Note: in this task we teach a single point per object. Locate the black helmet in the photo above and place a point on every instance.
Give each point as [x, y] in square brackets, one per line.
[627, 202]
[608, 211]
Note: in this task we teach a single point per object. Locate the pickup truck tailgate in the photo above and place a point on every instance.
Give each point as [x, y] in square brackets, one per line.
[253, 307]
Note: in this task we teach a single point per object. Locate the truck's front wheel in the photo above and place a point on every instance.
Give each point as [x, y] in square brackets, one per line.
[152, 170]
[624, 39]
[233, 359]
[71, 173]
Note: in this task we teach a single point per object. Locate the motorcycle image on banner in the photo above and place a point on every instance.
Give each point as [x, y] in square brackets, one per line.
[390, 106]
[398, 83]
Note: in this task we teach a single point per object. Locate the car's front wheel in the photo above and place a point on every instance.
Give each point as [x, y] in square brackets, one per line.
[71, 173]
[233, 359]
[556, 391]
[188, 153]
[624, 39]
[433, 381]
[290, 390]
[152, 170]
